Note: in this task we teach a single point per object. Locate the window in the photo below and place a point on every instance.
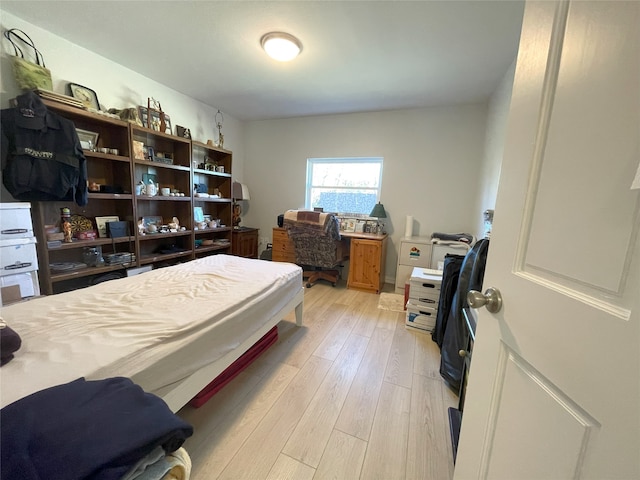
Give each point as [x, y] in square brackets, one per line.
[343, 185]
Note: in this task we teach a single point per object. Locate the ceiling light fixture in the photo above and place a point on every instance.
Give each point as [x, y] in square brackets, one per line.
[281, 46]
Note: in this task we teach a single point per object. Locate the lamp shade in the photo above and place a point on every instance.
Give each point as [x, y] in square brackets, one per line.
[239, 191]
[378, 211]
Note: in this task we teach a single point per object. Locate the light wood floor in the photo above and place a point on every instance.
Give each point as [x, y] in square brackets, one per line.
[351, 394]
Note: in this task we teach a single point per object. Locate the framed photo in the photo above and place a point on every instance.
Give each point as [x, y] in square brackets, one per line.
[152, 220]
[144, 116]
[138, 150]
[198, 214]
[87, 97]
[150, 154]
[167, 122]
[88, 140]
[183, 132]
[101, 223]
[349, 225]
[155, 120]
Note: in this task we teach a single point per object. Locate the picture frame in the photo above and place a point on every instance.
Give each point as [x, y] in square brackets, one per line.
[152, 220]
[198, 214]
[144, 115]
[87, 96]
[167, 123]
[101, 224]
[183, 132]
[349, 225]
[138, 150]
[88, 139]
[147, 122]
[149, 177]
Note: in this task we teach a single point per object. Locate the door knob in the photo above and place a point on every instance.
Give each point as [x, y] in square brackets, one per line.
[491, 298]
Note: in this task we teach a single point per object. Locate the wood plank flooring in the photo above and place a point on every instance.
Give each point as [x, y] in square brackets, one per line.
[352, 394]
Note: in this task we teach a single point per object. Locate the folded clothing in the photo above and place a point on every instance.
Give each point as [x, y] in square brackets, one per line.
[308, 217]
[86, 429]
[173, 466]
[454, 237]
[10, 342]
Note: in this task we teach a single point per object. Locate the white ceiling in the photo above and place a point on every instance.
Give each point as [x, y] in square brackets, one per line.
[357, 55]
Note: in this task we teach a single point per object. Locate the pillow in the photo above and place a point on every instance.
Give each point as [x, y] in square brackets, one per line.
[9, 342]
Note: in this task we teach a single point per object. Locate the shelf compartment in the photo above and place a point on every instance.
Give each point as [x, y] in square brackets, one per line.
[91, 243]
[213, 230]
[106, 156]
[211, 248]
[212, 200]
[163, 257]
[89, 271]
[110, 196]
[162, 165]
[156, 236]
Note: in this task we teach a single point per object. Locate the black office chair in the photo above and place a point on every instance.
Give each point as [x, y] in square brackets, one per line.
[316, 238]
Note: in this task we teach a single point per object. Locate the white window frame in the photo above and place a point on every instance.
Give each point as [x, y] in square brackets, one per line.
[341, 160]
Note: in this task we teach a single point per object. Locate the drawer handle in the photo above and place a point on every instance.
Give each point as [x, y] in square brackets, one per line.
[428, 314]
[428, 285]
[17, 265]
[13, 231]
[426, 300]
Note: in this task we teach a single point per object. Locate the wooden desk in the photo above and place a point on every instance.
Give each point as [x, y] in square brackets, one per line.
[367, 255]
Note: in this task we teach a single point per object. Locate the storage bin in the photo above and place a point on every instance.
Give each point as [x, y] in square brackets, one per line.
[15, 221]
[17, 256]
[423, 318]
[24, 282]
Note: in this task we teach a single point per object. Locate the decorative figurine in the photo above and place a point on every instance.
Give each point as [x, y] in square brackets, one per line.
[219, 125]
[65, 222]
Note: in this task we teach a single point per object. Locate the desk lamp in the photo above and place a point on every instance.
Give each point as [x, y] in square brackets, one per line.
[239, 191]
[378, 212]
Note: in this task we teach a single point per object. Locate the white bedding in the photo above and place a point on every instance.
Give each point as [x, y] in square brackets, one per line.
[155, 328]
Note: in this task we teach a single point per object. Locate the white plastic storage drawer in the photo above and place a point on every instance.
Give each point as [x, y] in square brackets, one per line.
[17, 256]
[15, 221]
[423, 318]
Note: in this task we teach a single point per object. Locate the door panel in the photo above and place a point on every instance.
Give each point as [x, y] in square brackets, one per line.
[554, 387]
[558, 456]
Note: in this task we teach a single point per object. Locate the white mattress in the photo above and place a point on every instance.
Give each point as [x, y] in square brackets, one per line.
[156, 328]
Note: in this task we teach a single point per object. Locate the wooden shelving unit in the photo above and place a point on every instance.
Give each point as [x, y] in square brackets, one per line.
[121, 173]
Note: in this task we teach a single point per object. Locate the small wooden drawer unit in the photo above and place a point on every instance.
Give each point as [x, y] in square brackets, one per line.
[283, 249]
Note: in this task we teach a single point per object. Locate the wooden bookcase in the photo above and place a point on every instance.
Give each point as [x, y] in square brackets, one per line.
[118, 175]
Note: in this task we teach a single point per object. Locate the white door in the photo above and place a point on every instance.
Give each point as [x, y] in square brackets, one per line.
[553, 391]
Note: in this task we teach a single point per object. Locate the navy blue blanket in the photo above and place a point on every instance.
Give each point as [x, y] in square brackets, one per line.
[85, 429]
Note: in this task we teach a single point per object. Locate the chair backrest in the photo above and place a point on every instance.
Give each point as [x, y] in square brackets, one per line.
[315, 236]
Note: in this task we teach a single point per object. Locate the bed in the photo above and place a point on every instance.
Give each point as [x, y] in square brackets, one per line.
[171, 330]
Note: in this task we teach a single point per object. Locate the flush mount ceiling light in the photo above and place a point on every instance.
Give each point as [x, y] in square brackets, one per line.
[281, 46]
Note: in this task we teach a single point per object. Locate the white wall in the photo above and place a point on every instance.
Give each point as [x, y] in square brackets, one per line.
[497, 115]
[432, 159]
[116, 86]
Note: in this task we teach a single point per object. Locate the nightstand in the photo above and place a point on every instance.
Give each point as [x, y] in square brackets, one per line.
[245, 242]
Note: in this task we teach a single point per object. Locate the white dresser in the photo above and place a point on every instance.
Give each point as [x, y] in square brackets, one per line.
[413, 252]
[18, 257]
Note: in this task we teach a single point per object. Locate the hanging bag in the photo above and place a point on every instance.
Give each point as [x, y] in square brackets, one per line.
[28, 75]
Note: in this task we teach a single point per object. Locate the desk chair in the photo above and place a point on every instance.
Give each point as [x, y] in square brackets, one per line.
[316, 238]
